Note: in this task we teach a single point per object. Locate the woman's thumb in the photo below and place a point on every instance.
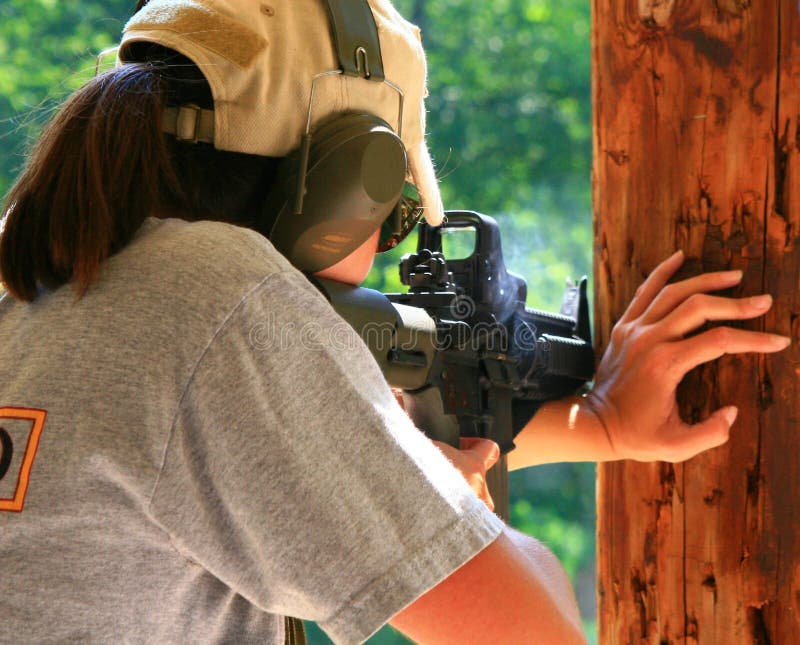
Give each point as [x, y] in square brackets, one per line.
[708, 434]
[484, 449]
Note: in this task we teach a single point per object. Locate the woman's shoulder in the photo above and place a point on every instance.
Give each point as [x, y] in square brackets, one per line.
[190, 263]
[211, 254]
[209, 245]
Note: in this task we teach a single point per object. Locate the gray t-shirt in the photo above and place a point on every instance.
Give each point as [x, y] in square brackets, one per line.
[199, 446]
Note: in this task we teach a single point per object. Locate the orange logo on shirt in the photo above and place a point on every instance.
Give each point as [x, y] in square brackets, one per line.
[19, 428]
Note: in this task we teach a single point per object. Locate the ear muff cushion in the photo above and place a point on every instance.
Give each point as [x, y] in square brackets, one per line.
[326, 138]
[356, 172]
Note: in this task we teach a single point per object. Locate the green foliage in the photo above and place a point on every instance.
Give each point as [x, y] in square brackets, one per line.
[509, 125]
[386, 636]
[509, 99]
[47, 49]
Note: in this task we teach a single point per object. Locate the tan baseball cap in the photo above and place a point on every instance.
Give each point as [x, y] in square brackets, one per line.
[260, 59]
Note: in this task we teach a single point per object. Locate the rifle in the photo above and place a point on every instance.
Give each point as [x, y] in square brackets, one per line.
[471, 359]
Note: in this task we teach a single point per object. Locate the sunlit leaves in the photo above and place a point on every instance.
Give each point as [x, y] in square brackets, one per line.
[47, 49]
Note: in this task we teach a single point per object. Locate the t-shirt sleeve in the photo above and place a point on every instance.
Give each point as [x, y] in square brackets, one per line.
[293, 475]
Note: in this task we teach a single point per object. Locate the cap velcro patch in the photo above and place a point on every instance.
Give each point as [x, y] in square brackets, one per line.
[207, 28]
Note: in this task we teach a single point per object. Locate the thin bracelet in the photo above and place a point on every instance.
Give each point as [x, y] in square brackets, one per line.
[590, 403]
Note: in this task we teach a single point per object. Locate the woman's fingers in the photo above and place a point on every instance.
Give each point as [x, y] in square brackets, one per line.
[700, 308]
[674, 295]
[651, 286]
[710, 433]
[486, 450]
[473, 458]
[710, 345]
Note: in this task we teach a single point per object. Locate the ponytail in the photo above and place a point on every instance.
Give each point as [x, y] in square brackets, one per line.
[103, 165]
[95, 174]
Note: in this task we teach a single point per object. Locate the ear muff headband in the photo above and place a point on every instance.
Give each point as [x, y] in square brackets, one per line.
[355, 38]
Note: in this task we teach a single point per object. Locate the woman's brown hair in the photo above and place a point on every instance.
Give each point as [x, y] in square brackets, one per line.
[103, 165]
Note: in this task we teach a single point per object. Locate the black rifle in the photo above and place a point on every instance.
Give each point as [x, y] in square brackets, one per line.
[471, 359]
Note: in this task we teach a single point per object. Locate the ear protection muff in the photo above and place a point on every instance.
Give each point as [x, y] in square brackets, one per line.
[355, 174]
[348, 175]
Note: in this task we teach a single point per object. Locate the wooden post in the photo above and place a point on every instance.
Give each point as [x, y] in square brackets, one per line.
[696, 136]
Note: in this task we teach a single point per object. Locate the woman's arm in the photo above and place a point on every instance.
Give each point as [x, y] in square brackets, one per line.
[513, 591]
[632, 412]
[562, 430]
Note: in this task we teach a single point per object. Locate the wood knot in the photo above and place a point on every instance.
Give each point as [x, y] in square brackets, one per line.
[656, 13]
[709, 581]
[732, 7]
[713, 497]
[757, 623]
[619, 157]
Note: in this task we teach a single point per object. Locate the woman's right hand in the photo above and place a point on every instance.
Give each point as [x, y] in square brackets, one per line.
[473, 458]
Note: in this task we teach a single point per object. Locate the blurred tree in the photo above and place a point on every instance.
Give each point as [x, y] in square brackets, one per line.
[47, 49]
[509, 100]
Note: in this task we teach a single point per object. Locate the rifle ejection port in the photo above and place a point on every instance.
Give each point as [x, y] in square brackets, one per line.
[452, 334]
[405, 357]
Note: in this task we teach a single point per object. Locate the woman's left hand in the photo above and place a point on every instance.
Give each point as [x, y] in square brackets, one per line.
[634, 396]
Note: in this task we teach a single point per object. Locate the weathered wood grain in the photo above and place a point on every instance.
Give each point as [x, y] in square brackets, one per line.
[696, 137]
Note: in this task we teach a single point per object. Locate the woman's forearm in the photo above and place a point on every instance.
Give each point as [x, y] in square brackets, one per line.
[562, 430]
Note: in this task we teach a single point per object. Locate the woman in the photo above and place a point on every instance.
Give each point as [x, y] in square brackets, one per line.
[198, 485]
